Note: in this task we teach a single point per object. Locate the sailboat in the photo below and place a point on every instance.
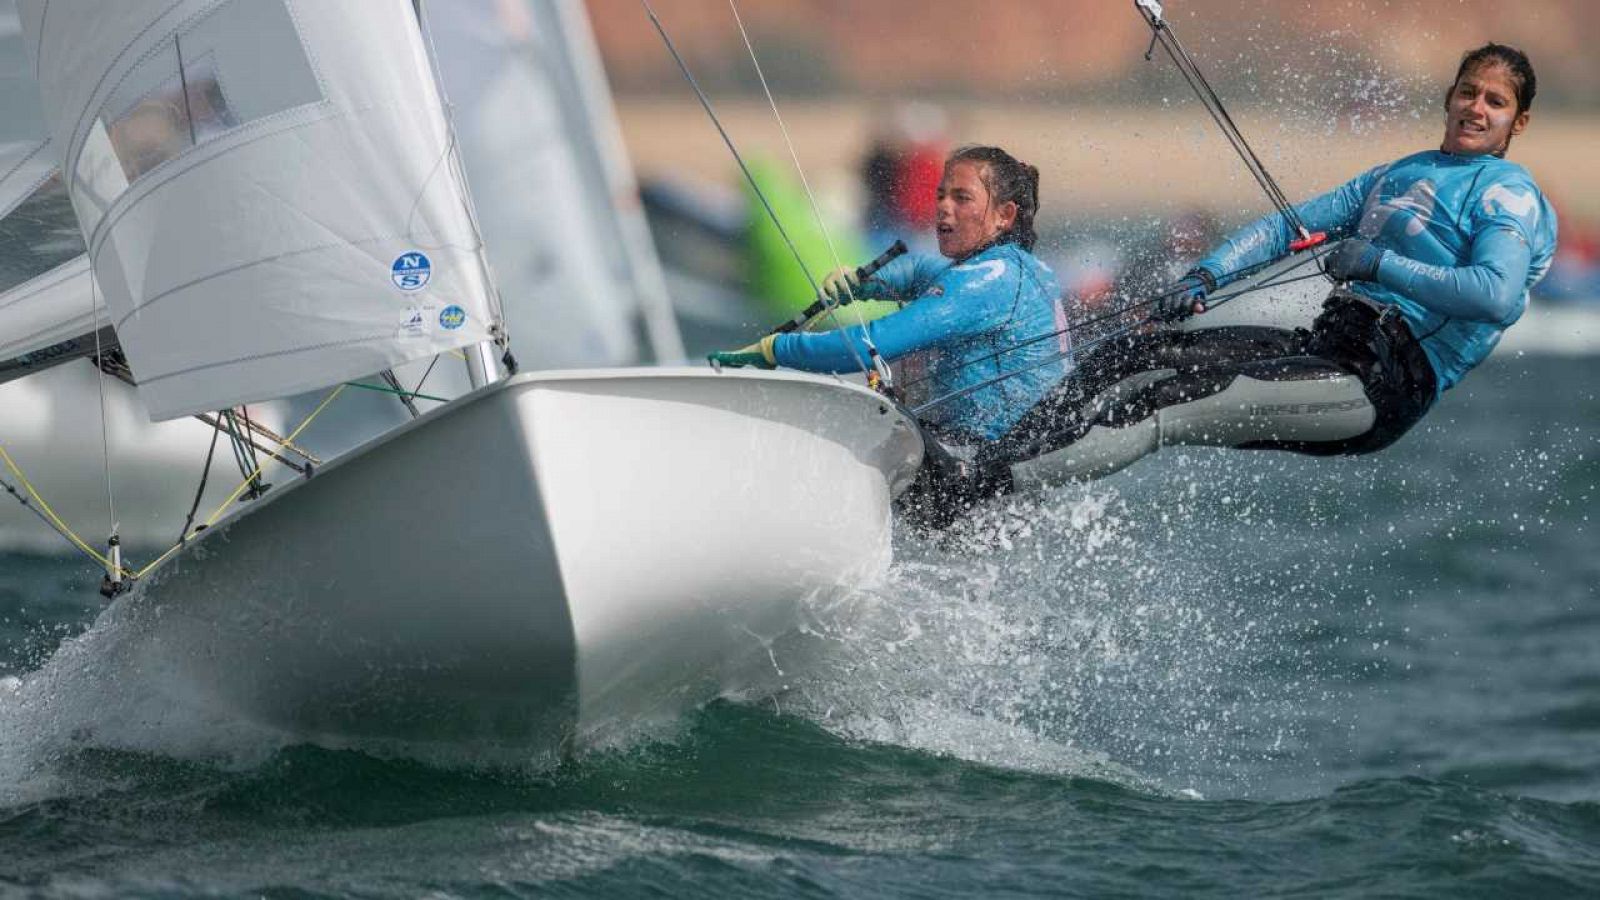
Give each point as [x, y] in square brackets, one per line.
[271, 203]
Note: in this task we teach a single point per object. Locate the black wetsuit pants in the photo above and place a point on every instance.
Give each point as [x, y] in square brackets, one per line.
[1351, 337]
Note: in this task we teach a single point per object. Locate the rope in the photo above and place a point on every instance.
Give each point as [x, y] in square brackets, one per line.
[830, 308]
[1168, 39]
[49, 514]
[212, 519]
[705, 103]
[1275, 280]
[205, 476]
[37, 503]
[100, 378]
[390, 390]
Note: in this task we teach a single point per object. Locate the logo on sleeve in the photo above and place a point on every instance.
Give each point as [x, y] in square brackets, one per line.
[991, 269]
[1521, 204]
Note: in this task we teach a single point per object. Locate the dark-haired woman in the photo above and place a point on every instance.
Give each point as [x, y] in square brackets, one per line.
[975, 303]
[1442, 247]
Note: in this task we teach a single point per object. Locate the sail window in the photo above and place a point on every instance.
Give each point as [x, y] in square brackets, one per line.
[240, 62]
[38, 235]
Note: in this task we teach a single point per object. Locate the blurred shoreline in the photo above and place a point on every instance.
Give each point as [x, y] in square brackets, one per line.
[1098, 161]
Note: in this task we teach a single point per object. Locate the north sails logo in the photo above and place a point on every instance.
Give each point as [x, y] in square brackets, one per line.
[411, 271]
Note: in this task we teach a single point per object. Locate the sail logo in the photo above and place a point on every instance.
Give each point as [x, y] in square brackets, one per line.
[411, 271]
[452, 317]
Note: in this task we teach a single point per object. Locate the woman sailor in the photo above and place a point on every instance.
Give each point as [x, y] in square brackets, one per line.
[1443, 247]
[978, 304]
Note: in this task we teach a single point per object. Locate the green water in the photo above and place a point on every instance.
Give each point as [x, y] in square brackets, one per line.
[1217, 673]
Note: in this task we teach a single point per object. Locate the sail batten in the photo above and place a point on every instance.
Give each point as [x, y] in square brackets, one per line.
[264, 188]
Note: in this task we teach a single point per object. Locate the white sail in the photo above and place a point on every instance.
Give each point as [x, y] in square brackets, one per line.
[265, 188]
[552, 182]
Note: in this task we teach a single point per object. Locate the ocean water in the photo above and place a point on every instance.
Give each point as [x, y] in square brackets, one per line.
[1215, 674]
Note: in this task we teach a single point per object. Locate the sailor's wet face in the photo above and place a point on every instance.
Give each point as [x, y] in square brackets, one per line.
[1481, 112]
[968, 217]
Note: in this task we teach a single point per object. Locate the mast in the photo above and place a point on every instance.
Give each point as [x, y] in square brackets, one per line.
[480, 357]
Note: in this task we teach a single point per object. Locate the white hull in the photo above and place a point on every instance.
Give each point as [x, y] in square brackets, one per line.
[538, 561]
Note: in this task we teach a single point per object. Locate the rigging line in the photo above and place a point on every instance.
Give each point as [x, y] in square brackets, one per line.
[1163, 34]
[829, 304]
[1110, 335]
[310, 459]
[239, 458]
[1270, 281]
[705, 103]
[1219, 114]
[33, 508]
[100, 378]
[54, 520]
[240, 489]
[205, 475]
[399, 390]
[212, 520]
[417, 391]
[1054, 357]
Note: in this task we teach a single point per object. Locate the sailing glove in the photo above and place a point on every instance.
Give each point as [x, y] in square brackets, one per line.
[1354, 260]
[1185, 298]
[758, 355]
[841, 285]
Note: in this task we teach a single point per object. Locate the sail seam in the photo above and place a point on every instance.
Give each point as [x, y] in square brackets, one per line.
[241, 136]
[273, 354]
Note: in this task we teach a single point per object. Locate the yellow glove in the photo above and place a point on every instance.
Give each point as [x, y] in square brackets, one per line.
[758, 355]
[842, 285]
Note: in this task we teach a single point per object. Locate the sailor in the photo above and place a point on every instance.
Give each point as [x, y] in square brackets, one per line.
[1442, 247]
[969, 313]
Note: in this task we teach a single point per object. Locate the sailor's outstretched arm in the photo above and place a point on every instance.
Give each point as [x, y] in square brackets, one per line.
[1491, 288]
[963, 311]
[1337, 212]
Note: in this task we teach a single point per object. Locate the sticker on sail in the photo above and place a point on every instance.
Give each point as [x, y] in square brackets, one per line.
[415, 324]
[452, 317]
[411, 271]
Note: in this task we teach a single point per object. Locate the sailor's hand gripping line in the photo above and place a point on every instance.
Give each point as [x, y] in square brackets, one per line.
[837, 290]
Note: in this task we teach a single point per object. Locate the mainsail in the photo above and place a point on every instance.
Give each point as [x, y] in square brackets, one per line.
[266, 189]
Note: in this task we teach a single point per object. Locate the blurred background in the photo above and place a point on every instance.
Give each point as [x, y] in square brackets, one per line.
[1135, 179]
[620, 230]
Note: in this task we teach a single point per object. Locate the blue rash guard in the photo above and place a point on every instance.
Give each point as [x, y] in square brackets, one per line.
[991, 302]
[1464, 237]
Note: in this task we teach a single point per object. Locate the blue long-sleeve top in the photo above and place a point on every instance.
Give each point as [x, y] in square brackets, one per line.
[1464, 238]
[973, 319]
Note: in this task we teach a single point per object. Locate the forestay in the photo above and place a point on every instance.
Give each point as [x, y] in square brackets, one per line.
[266, 189]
